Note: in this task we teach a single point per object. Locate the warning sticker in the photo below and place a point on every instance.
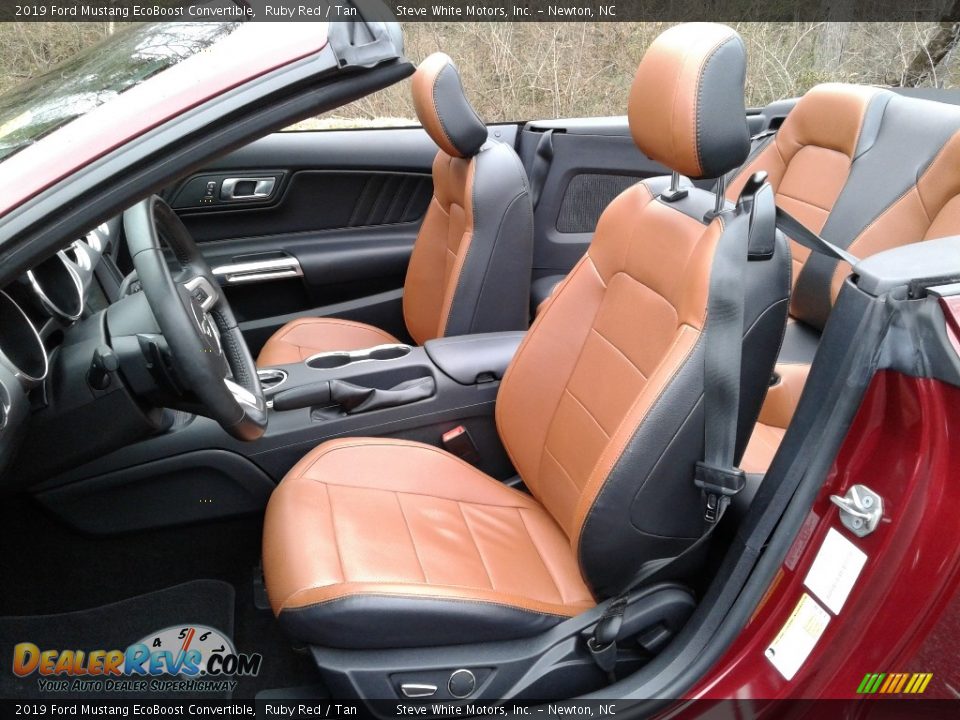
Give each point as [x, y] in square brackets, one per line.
[835, 570]
[798, 636]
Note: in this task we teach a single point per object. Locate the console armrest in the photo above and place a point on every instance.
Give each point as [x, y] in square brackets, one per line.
[472, 359]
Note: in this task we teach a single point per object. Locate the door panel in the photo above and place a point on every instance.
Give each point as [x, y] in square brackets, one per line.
[312, 223]
[594, 160]
[311, 200]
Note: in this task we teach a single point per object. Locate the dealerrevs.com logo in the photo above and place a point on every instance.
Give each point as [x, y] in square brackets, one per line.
[191, 658]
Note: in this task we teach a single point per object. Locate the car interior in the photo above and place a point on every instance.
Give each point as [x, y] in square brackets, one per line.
[506, 378]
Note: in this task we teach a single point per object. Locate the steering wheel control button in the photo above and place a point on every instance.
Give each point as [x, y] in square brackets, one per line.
[418, 690]
[462, 683]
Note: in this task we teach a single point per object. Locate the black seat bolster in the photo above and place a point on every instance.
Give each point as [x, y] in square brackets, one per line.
[379, 621]
[541, 289]
[494, 285]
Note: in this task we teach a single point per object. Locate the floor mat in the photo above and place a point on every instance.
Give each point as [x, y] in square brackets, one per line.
[258, 631]
[208, 603]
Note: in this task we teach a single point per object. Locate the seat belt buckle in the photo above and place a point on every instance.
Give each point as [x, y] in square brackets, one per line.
[458, 442]
[718, 484]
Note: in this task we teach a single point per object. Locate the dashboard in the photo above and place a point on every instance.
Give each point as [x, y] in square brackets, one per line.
[40, 314]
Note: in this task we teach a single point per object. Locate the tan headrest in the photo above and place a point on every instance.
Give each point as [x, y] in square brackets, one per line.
[444, 110]
[686, 107]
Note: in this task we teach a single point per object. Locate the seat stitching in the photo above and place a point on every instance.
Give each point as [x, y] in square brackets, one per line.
[556, 585]
[282, 334]
[697, 117]
[426, 495]
[444, 210]
[333, 532]
[805, 202]
[627, 357]
[565, 472]
[541, 318]
[670, 376]
[576, 364]
[587, 411]
[413, 543]
[473, 539]
[783, 161]
[429, 448]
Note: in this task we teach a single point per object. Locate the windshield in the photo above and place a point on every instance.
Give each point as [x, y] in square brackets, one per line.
[125, 59]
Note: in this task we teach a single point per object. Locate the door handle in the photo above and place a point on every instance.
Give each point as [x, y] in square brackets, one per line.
[247, 188]
[259, 270]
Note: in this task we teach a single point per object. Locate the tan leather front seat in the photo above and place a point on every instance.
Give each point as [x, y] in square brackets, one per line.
[470, 267]
[379, 543]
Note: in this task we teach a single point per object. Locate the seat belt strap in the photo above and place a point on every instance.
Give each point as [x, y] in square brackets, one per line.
[716, 475]
[798, 232]
[541, 166]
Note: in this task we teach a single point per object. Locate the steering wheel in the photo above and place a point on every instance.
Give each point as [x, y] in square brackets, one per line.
[210, 356]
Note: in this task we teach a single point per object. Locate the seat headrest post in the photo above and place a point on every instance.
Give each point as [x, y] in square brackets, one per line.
[686, 107]
[674, 192]
[720, 191]
[443, 109]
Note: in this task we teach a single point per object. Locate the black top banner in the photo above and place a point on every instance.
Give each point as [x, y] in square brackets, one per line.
[291, 709]
[479, 11]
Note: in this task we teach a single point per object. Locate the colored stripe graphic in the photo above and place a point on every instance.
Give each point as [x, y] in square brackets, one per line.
[890, 680]
[894, 683]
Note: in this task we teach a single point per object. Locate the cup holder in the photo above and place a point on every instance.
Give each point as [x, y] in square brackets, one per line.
[327, 361]
[389, 352]
[271, 378]
[331, 360]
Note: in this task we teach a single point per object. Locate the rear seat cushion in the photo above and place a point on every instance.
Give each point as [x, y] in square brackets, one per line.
[790, 375]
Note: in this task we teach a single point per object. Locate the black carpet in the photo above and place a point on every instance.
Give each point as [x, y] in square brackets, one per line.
[49, 568]
[114, 626]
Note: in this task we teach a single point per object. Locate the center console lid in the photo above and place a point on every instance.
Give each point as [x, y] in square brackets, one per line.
[473, 359]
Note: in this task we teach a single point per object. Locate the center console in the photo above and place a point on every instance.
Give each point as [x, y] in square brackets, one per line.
[195, 471]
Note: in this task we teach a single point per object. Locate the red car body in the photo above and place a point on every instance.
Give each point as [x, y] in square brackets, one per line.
[903, 615]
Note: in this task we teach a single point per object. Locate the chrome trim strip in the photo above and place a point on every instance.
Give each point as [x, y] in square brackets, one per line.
[212, 293]
[259, 270]
[28, 381]
[263, 188]
[49, 305]
[355, 356]
[274, 376]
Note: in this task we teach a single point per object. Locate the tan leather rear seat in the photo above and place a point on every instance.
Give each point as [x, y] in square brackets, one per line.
[869, 170]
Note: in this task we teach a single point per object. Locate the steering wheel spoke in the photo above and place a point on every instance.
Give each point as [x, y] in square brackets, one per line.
[203, 291]
[195, 320]
[242, 395]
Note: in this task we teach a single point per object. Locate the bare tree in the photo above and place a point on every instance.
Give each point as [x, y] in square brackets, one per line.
[923, 67]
